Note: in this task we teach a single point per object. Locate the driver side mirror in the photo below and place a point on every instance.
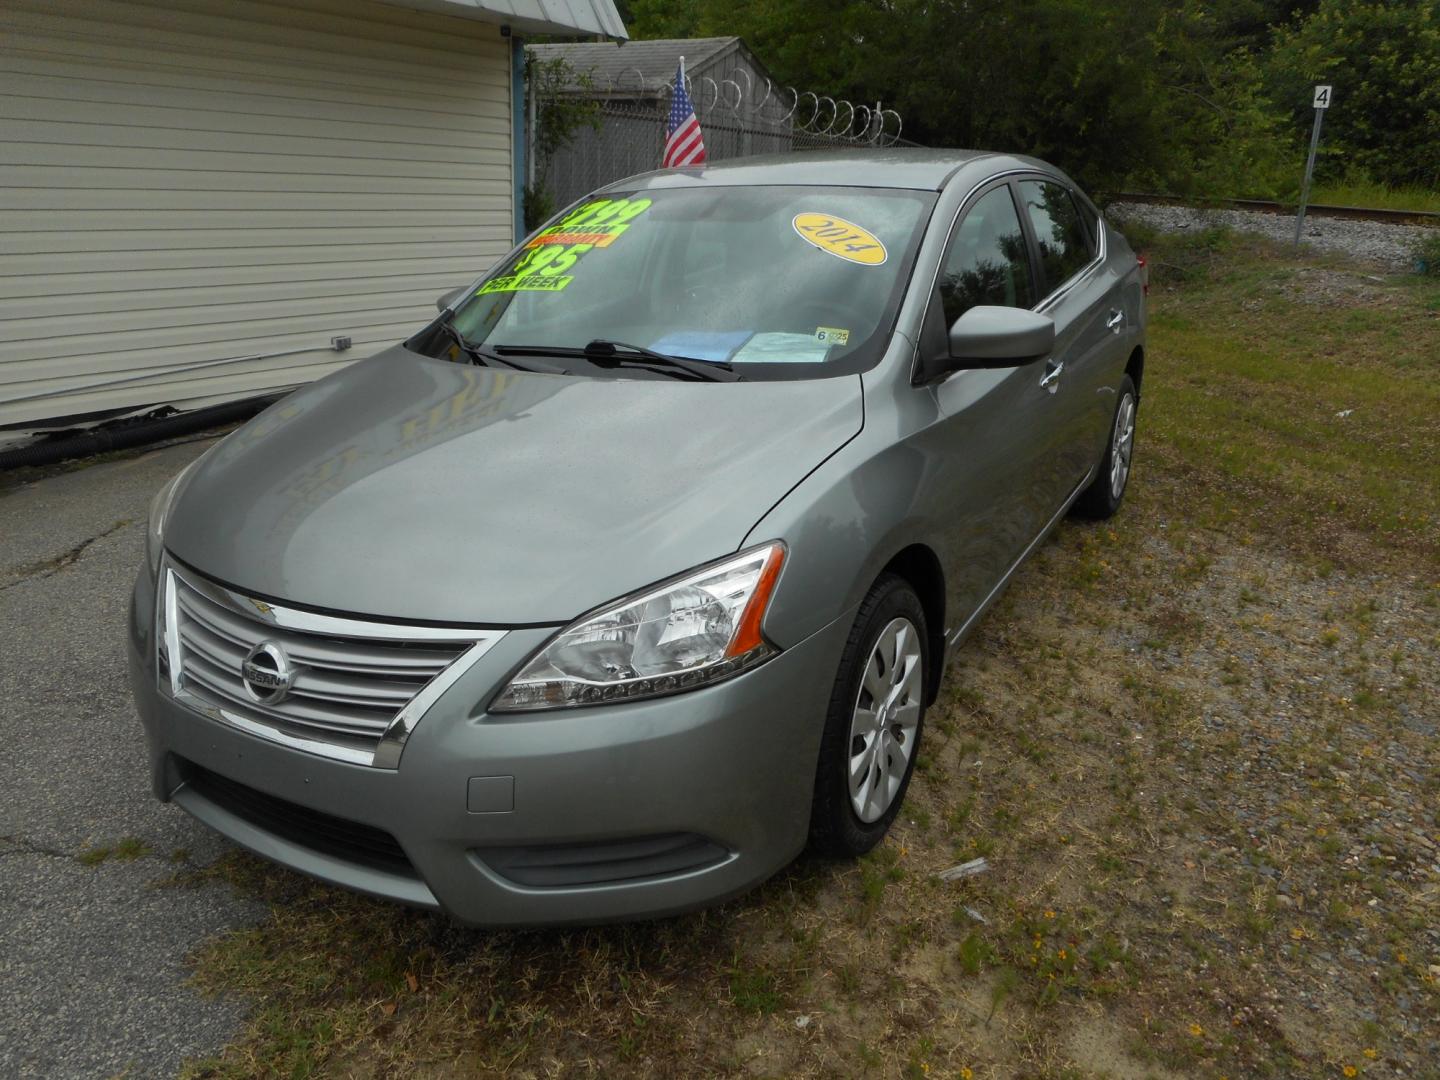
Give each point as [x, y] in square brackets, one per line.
[444, 301]
[1000, 337]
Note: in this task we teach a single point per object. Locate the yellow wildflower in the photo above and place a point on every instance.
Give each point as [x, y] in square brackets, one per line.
[1371, 1053]
[966, 1073]
[1196, 1030]
[1350, 1070]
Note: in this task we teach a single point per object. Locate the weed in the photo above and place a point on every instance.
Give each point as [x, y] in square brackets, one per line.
[1426, 253]
[126, 850]
[755, 990]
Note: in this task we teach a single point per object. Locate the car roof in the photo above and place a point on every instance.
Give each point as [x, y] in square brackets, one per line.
[920, 169]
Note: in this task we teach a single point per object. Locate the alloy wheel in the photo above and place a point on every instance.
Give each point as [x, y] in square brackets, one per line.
[1122, 445]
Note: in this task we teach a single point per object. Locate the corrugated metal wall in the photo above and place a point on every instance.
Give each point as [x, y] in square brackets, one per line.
[202, 179]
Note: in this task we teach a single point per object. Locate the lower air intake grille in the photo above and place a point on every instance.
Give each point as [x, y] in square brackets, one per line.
[351, 841]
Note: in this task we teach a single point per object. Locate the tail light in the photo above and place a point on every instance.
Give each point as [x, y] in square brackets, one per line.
[1144, 275]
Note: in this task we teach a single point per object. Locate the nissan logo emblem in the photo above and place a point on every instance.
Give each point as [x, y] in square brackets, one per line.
[267, 673]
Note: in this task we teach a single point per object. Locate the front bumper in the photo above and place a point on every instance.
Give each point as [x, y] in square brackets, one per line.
[732, 764]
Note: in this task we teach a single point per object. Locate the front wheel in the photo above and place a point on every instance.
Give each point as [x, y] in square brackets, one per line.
[1102, 498]
[872, 729]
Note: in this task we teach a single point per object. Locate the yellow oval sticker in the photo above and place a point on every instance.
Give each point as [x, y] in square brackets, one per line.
[841, 238]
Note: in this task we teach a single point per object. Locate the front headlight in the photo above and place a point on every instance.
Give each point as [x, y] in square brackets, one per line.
[687, 633]
[159, 511]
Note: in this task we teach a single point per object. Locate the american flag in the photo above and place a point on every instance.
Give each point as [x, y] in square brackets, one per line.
[683, 143]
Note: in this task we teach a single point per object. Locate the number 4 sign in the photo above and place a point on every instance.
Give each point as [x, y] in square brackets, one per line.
[1322, 102]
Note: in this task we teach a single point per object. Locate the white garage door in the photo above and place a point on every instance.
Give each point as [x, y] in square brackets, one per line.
[222, 180]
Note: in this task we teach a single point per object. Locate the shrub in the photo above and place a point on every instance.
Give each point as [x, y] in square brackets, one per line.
[1427, 253]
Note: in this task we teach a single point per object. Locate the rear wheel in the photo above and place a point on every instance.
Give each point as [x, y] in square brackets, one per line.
[1103, 497]
[872, 730]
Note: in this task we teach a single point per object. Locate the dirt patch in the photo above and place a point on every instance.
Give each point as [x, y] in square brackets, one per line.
[1319, 286]
[1101, 1046]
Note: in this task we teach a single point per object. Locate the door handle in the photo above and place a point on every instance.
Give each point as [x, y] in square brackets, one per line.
[1051, 381]
[1116, 320]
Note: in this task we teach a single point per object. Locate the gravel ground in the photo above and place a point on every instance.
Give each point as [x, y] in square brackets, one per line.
[93, 946]
[1387, 246]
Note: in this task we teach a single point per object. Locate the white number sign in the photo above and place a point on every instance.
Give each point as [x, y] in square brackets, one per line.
[1322, 97]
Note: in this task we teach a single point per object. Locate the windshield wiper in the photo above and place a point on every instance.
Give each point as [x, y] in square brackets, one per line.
[604, 353]
[713, 370]
[485, 356]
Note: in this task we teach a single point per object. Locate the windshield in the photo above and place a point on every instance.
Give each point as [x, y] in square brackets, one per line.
[778, 282]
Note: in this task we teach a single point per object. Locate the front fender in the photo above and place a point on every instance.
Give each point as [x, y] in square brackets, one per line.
[849, 518]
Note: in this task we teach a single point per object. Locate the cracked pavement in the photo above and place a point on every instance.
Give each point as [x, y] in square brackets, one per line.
[93, 953]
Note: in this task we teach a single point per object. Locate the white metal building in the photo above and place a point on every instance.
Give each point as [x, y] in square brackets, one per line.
[196, 196]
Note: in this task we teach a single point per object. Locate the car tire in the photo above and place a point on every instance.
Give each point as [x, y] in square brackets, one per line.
[890, 619]
[1107, 491]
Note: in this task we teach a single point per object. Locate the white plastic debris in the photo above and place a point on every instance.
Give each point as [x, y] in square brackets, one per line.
[1343, 413]
[802, 1022]
[964, 870]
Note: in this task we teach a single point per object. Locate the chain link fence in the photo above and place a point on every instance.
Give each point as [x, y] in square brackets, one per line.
[629, 136]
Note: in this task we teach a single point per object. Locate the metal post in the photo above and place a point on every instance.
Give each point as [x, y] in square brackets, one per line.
[1309, 169]
[532, 108]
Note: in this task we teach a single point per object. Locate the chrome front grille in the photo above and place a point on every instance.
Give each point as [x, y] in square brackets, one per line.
[353, 689]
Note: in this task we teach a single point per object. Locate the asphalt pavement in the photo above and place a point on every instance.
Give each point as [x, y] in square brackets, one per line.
[92, 954]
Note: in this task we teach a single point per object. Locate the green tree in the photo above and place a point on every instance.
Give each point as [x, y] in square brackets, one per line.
[1221, 134]
[1384, 61]
[660, 18]
[560, 113]
[1193, 96]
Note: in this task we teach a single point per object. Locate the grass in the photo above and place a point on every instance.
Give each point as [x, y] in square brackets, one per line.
[1377, 196]
[1196, 744]
[1292, 403]
[127, 849]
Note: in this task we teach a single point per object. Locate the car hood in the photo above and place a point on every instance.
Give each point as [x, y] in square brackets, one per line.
[412, 488]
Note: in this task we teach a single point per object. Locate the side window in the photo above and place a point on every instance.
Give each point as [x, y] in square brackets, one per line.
[987, 262]
[1091, 221]
[1064, 245]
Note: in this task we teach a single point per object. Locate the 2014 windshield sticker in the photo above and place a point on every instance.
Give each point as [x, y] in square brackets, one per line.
[841, 238]
[550, 254]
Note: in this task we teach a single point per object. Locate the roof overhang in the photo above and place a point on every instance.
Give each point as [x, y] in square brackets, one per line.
[533, 16]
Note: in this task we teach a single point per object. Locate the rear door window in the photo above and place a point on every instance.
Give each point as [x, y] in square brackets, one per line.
[1091, 220]
[987, 262]
[1065, 245]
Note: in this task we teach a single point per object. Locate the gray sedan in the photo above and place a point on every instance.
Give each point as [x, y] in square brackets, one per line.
[636, 570]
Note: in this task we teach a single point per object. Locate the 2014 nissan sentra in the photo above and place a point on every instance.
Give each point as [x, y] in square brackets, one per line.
[636, 569]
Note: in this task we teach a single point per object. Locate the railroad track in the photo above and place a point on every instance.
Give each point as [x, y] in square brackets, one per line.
[1267, 206]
